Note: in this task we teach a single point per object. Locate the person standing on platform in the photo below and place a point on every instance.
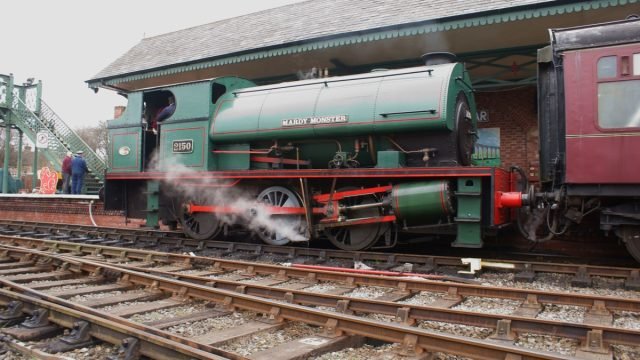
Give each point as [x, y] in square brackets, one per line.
[78, 169]
[66, 173]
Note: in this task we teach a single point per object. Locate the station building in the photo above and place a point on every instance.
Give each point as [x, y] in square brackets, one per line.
[497, 39]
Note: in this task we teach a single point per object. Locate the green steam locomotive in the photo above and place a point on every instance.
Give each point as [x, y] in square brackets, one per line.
[358, 160]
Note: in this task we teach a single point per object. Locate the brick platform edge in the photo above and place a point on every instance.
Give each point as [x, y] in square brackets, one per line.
[78, 219]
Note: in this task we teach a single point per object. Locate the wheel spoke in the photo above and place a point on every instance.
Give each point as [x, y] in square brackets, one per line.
[278, 196]
[358, 237]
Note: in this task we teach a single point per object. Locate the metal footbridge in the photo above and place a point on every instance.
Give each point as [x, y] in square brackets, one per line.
[22, 109]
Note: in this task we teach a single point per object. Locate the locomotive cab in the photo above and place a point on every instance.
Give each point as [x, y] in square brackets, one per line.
[153, 114]
[152, 136]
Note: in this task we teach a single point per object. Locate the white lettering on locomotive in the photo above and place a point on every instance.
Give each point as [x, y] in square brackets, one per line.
[315, 120]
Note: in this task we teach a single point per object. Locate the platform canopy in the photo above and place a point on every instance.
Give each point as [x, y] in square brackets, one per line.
[497, 38]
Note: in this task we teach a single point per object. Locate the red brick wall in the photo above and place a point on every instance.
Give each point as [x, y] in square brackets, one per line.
[78, 219]
[514, 112]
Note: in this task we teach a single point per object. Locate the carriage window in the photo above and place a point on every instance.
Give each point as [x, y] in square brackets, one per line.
[607, 67]
[617, 104]
[636, 64]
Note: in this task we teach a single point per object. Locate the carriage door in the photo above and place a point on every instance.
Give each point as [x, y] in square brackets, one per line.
[602, 88]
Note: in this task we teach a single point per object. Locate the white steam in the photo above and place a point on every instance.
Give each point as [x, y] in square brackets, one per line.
[187, 183]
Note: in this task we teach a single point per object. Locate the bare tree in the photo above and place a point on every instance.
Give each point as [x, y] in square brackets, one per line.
[96, 137]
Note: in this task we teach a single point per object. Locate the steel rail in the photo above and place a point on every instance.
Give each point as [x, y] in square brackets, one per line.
[409, 313]
[411, 338]
[428, 262]
[404, 283]
[103, 327]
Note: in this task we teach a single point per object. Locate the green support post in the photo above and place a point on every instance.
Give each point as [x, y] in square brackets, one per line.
[9, 94]
[7, 155]
[469, 217]
[22, 95]
[20, 133]
[7, 135]
[34, 179]
[153, 203]
[38, 97]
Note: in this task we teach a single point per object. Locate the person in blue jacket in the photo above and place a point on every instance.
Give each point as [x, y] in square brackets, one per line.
[78, 169]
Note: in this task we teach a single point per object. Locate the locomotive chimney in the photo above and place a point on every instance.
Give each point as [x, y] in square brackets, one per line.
[437, 58]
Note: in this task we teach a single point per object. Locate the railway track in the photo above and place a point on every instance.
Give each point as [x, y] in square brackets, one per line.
[327, 329]
[286, 285]
[525, 271]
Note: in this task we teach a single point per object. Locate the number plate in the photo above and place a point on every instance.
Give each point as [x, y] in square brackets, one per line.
[182, 146]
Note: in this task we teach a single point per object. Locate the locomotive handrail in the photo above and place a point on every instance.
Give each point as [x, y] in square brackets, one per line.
[326, 82]
[431, 111]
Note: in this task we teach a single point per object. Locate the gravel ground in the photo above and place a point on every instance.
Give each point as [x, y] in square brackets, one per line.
[266, 340]
[37, 282]
[322, 287]
[81, 298]
[169, 313]
[621, 352]
[292, 282]
[560, 283]
[423, 298]
[121, 305]
[270, 258]
[97, 352]
[548, 343]
[165, 267]
[381, 317]
[441, 356]
[201, 327]
[68, 287]
[368, 292]
[338, 263]
[326, 308]
[226, 275]
[255, 278]
[627, 320]
[11, 355]
[364, 352]
[565, 313]
[369, 351]
[456, 329]
[488, 305]
[195, 271]
[31, 273]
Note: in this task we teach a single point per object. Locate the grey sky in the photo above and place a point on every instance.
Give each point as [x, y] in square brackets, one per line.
[65, 42]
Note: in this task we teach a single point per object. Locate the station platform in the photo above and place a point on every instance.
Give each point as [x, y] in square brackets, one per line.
[50, 196]
[62, 208]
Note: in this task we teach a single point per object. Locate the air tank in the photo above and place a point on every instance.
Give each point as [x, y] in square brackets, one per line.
[422, 203]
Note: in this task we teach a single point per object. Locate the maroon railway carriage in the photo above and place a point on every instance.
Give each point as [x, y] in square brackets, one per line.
[589, 120]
